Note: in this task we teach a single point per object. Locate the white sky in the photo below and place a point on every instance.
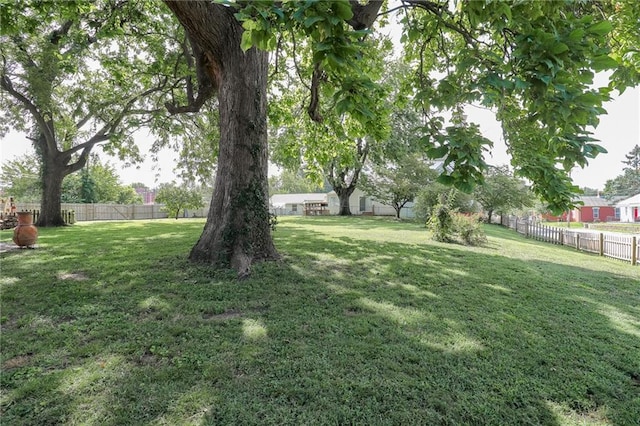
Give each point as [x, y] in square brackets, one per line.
[619, 132]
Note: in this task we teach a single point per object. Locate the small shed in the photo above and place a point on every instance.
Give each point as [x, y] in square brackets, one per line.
[316, 208]
[294, 204]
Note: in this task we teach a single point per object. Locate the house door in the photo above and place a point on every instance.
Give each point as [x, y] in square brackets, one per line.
[363, 204]
[636, 214]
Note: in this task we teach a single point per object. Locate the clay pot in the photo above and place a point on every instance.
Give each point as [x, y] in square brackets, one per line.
[26, 233]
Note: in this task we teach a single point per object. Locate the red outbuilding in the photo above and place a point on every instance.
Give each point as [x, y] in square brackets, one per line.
[593, 209]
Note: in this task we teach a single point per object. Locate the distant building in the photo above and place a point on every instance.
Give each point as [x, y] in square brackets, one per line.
[294, 204]
[593, 209]
[148, 195]
[329, 203]
[629, 209]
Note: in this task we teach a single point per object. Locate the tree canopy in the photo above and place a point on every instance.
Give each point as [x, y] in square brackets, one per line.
[626, 184]
[96, 183]
[397, 183]
[176, 198]
[501, 192]
[290, 182]
[76, 75]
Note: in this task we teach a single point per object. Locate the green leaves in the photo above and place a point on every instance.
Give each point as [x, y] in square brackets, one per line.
[601, 28]
[342, 9]
[461, 148]
[603, 62]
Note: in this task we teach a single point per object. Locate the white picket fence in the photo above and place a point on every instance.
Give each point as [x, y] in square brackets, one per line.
[88, 212]
[618, 246]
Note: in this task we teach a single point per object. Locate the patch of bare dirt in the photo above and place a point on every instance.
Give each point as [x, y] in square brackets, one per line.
[72, 276]
[223, 316]
[17, 362]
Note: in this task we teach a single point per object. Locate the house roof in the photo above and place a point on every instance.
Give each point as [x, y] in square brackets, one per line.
[594, 201]
[631, 201]
[280, 200]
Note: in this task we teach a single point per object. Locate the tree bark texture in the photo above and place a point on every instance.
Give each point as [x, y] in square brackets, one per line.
[237, 232]
[56, 165]
[343, 196]
[50, 207]
[397, 208]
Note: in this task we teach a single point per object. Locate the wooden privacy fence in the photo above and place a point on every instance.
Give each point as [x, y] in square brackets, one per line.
[86, 212]
[69, 216]
[617, 246]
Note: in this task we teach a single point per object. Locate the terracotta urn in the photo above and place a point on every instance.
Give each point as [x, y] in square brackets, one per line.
[26, 233]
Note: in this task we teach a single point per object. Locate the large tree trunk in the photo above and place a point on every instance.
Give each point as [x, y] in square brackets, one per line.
[50, 206]
[237, 232]
[343, 196]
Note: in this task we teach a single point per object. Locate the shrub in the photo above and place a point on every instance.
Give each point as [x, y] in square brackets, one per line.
[441, 222]
[428, 198]
[469, 229]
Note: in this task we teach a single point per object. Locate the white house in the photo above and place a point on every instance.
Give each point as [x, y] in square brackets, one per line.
[359, 203]
[362, 204]
[629, 209]
[293, 204]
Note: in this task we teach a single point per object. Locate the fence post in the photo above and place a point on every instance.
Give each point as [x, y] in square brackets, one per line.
[601, 244]
[526, 228]
[577, 241]
[634, 250]
[561, 236]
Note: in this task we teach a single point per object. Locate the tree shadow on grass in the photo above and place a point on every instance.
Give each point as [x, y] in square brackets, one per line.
[342, 331]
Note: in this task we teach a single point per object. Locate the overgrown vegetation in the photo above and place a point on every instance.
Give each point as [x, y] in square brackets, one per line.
[446, 222]
[366, 321]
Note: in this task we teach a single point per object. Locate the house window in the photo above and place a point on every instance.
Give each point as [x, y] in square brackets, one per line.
[596, 213]
[294, 207]
[363, 204]
[617, 213]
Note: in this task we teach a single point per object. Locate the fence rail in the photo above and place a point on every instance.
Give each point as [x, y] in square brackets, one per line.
[617, 246]
[87, 212]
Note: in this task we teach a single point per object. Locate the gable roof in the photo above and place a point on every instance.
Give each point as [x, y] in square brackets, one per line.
[631, 201]
[594, 201]
[280, 200]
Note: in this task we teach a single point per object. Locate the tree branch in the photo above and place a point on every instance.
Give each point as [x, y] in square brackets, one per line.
[205, 66]
[364, 15]
[209, 46]
[7, 85]
[314, 104]
[439, 10]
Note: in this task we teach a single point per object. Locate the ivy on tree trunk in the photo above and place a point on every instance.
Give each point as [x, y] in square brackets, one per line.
[237, 232]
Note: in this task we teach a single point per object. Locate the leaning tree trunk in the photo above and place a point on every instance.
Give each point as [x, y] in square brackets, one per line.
[237, 232]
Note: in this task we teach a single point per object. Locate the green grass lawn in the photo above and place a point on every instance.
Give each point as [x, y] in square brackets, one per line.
[620, 227]
[365, 321]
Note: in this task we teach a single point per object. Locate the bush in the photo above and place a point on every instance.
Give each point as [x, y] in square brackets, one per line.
[441, 222]
[469, 229]
[445, 223]
[429, 196]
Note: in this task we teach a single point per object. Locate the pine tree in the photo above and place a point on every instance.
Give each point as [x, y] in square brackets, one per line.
[633, 159]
